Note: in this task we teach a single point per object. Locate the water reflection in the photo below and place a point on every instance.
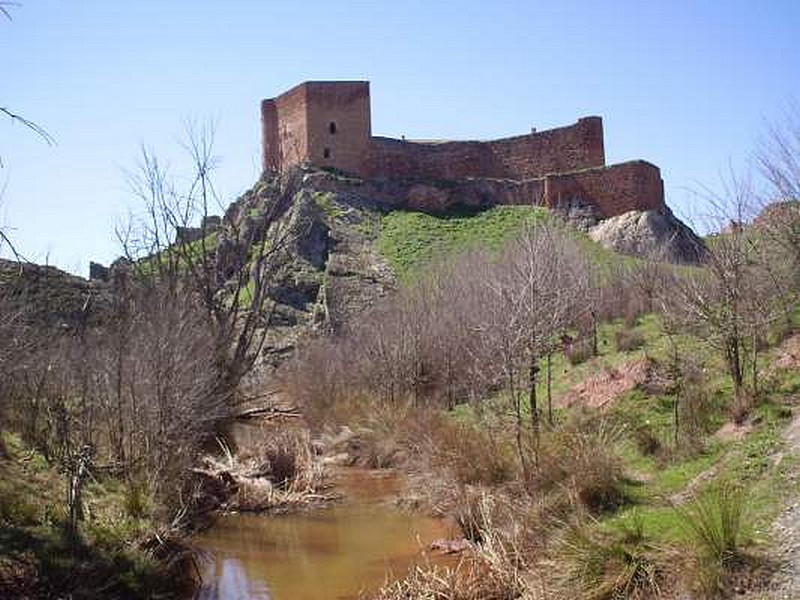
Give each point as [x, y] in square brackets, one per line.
[228, 579]
[328, 554]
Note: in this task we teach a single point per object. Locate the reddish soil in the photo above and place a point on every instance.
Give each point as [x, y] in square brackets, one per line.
[790, 353]
[601, 390]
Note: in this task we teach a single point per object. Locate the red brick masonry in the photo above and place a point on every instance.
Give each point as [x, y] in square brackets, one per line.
[328, 124]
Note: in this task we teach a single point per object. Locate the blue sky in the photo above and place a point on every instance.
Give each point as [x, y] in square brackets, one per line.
[685, 84]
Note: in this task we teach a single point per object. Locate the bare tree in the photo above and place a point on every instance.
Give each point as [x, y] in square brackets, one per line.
[778, 160]
[228, 268]
[730, 297]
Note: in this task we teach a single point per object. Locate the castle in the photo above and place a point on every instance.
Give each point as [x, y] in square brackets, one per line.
[327, 124]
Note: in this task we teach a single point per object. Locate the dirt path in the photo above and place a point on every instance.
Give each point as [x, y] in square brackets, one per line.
[785, 531]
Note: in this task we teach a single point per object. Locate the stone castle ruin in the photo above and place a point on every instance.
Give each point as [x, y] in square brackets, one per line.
[327, 124]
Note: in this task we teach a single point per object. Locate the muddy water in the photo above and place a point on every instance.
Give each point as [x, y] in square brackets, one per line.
[334, 553]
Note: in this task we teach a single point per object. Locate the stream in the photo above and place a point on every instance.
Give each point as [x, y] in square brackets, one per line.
[333, 553]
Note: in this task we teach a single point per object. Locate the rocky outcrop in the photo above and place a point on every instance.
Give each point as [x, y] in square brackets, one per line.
[655, 234]
[50, 299]
[327, 269]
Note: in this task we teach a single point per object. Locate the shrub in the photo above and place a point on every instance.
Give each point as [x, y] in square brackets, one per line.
[714, 521]
[696, 408]
[468, 580]
[646, 440]
[474, 455]
[583, 459]
[628, 340]
[741, 408]
[135, 500]
[596, 564]
[493, 571]
[579, 351]
[18, 511]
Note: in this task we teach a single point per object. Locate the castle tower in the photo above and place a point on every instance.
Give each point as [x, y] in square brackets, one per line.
[319, 123]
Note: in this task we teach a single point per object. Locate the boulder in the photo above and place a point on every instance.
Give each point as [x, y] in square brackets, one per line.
[655, 234]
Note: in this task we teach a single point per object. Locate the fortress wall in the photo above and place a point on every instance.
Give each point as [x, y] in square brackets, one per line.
[284, 129]
[339, 122]
[617, 189]
[392, 159]
[270, 157]
[577, 146]
[327, 124]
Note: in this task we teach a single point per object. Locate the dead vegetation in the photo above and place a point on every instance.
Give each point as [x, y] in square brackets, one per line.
[276, 474]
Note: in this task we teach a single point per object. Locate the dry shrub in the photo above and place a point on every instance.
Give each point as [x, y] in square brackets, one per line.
[468, 580]
[631, 314]
[579, 351]
[472, 453]
[471, 512]
[382, 434]
[628, 340]
[581, 460]
[493, 572]
[646, 441]
[696, 408]
[741, 407]
[280, 472]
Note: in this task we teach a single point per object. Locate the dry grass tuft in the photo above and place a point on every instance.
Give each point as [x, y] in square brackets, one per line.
[715, 522]
[494, 572]
[582, 461]
[474, 455]
[590, 563]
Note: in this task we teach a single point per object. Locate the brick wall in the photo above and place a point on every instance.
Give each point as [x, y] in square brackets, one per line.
[322, 123]
[327, 124]
[614, 190]
[338, 124]
[577, 146]
[284, 133]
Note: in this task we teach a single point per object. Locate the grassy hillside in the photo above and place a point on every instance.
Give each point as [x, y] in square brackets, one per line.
[410, 240]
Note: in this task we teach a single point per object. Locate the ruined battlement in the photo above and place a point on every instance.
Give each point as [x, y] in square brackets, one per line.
[327, 124]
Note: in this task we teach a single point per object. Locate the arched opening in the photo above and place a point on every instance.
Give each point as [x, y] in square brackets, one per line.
[332, 127]
[326, 153]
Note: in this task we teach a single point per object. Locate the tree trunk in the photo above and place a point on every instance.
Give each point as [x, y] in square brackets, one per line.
[755, 365]
[517, 406]
[533, 371]
[550, 388]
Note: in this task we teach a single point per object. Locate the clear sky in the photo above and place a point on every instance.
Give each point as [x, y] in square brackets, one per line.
[684, 84]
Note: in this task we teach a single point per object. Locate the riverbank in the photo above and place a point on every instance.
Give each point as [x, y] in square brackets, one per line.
[108, 556]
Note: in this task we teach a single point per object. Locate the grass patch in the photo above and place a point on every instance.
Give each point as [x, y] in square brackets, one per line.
[325, 202]
[410, 240]
[38, 558]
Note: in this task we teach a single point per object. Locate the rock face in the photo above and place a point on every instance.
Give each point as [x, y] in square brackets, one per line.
[50, 299]
[326, 270]
[655, 234]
